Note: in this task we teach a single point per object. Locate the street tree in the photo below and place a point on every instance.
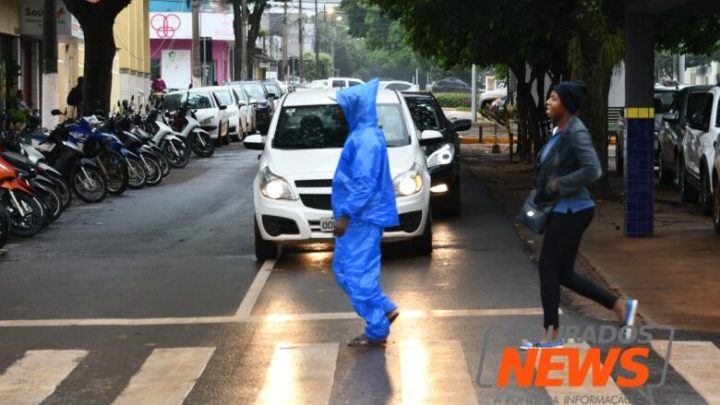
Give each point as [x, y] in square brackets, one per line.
[97, 19]
[253, 17]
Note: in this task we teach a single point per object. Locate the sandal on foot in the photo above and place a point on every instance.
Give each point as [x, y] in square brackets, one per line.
[392, 315]
[364, 341]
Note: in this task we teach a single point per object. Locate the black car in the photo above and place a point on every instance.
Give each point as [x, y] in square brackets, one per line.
[443, 156]
[671, 132]
[265, 104]
[450, 85]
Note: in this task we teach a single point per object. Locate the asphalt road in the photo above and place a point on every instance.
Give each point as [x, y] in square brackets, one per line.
[155, 297]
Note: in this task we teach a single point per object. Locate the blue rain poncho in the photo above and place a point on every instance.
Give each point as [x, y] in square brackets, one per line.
[363, 191]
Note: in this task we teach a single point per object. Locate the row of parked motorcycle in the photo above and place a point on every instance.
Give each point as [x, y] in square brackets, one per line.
[90, 158]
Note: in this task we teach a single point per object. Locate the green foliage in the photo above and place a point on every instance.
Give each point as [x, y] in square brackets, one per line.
[310, 68]
[454, 100]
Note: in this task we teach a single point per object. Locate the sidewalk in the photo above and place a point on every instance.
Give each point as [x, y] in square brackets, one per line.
[675, 275]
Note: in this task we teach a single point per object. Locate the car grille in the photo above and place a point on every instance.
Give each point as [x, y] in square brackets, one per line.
[313, 183]
[317, 201]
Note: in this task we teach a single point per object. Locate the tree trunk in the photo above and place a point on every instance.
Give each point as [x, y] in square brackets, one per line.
[197, 65]
[253, 33]
[237, 30]
[97, 21]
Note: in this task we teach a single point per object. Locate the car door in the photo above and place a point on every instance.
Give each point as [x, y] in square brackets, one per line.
[695, 129]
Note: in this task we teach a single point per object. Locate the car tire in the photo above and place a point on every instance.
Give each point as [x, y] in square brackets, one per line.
[716, 208]
[264, 250]
[422, 245]
[665, 176]
[688, 194]
[226, 139]
[706, 196]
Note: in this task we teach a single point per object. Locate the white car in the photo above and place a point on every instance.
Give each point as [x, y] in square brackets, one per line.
[399, 85]
[247, 109]
[698, 152]
[225, 96]
[487, 97]
[292, 189]
[209, 111]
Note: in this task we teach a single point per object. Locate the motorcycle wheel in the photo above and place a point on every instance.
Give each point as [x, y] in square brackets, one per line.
[63, 189]
[89, 184]
[197, 145]
[136, 173]
[115, 170]
[153, 171]
[33, 218]
[163, 162]
[4, 225]
[177, 160]
[52, 202]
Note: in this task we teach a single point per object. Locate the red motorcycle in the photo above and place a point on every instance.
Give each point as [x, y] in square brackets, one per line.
[26, 212]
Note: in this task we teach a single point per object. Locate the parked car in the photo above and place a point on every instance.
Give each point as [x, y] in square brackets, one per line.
[443, 156]
[342, 82]
[698, 152]
[274, 90]
[488, 97]
[450, 85]
[265, 106]
[247, 109]
[399, 85]
[672, 129]
[293, 185]
[224, 96]
[209, 110]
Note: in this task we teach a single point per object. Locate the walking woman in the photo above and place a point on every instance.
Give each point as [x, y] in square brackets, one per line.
[567, 165]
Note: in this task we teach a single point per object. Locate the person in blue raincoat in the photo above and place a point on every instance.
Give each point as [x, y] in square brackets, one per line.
[363, 201]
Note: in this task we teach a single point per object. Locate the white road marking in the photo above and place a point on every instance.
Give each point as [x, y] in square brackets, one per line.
[323, 316]
[300, 374]
[255, 289]
[36, 376]
[166, 377]
[435, 373]
[610, 390]
[697, 362]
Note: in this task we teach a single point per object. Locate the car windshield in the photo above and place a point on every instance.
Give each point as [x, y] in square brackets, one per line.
[240, 93]
[223, 97]
[256, 90]
[318, 127]
[199, 101]
[665, 101]
[424, 113]
[692, 104]
[173, 102]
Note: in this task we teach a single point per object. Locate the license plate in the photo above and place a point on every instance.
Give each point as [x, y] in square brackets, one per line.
[327, 224]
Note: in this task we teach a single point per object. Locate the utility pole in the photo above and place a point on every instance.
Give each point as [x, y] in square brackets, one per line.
[317, 42]
[286, 69]
[49, 97]
[243, 42]
[300, 38]
[197, 72]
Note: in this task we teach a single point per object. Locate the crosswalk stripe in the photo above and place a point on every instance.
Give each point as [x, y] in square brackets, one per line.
[563, 392]
[697, 362]
[435, 373]
[300, 374]
[36, 376]
[166, 377]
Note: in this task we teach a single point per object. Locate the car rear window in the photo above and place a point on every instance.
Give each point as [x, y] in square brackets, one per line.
[425, 114]
[693, 102]
[199, 101]
[173, 102]
[318, 127]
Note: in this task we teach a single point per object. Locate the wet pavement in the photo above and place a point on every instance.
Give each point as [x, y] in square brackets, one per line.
[155, 297]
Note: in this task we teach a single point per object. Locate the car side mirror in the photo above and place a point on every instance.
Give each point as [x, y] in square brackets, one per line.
[223, 107]
[461, 125]
[254, 142]
[429, 137]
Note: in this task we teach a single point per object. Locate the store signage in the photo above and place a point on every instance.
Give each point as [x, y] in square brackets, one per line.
[170, 25]
[31, 20]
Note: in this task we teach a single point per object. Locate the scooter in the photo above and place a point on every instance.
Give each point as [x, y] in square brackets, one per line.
[81, 173]
[42, 187]
[186, 123]
[172, 146]
[27, 215]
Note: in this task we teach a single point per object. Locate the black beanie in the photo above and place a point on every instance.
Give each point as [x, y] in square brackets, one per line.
[571, 94]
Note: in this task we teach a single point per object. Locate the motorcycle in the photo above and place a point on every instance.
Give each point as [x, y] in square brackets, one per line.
[26, 211]
[185, 122]
[171, 145]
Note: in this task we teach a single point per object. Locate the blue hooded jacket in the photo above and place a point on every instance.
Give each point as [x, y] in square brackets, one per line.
[363, 188]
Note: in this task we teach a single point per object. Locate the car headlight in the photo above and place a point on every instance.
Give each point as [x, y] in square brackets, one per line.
[442, 156]
[207, 121]
[275, 187]
[409, 182]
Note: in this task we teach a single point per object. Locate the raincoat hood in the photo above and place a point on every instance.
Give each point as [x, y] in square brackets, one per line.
[358, 105]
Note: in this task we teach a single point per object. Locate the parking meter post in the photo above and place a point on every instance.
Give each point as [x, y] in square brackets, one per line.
[480, 133]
